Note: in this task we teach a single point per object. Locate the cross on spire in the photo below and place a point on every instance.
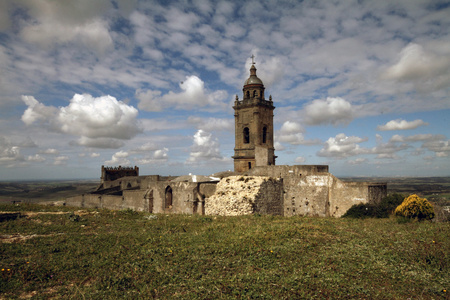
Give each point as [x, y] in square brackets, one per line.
[253, 61]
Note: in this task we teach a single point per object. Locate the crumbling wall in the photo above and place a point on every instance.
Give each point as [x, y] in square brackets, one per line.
[243, 195]
[344, 195]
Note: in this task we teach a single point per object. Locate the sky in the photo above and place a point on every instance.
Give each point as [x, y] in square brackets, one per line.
[361, 86]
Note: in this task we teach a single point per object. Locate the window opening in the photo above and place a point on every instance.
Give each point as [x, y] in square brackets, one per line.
[264, 135]
[246, 135]
[169, 197]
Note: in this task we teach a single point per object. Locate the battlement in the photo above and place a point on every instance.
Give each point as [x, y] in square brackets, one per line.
[113, 173]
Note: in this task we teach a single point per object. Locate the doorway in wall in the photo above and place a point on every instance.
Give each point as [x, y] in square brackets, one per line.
[168, 198]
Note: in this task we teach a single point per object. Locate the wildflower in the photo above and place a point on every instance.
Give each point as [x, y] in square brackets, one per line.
[8, 270]
[3, 270]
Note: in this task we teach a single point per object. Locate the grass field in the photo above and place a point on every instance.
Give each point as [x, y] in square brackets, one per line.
[124, 254]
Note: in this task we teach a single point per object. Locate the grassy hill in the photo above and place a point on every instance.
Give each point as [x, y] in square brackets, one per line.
[53, 253]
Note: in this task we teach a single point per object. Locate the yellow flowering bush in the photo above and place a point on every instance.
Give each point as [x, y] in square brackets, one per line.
[415, 207]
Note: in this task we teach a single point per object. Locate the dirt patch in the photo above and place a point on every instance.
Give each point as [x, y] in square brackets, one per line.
[13, 238]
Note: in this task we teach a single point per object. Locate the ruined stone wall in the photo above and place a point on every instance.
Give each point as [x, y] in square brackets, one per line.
[243, 195]
[306, 195]
[344, 195]
[305, 188]
[135, 200]
[184, 197]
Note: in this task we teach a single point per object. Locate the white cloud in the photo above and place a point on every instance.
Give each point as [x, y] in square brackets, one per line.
[193, 96]
[158, 156]
[205, 148]
[60, 160]
[119, 158]
[401, 125]
[50, 151]
[36, 158]
[440, 147]
[300, 160]
[212, 124]
[292, 133]
[99, 122]
[68, 21]
[357, 161]
[427, 68]
[335, 111]
[37, 112]
[343, 146]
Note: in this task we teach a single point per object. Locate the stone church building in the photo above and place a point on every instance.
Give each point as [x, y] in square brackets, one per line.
[257, 184]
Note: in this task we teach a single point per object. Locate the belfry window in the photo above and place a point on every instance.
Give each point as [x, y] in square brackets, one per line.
[248, 94]
[246, 135]
[255, 94]
[264, 135]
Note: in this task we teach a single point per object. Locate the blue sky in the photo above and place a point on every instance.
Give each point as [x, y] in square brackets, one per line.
[362, 86]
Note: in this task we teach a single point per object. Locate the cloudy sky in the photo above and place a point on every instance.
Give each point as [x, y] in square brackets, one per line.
[363, 86]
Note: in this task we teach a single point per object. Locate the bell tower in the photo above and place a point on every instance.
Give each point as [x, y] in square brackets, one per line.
[253, 117]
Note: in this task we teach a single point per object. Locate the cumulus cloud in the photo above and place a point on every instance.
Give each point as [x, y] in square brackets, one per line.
[343, 146]
[427, 68]
[8, 152]
[119, 158]
[158, 156]
[335, 111]
[292, 133]
[401, 125]
[205, 148]
[193, 96]
[440, 147]
[99, 122]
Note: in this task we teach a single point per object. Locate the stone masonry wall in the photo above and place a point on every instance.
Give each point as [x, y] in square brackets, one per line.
[243, 195]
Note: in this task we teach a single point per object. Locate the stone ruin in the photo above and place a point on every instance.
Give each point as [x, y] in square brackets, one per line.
[256, 186]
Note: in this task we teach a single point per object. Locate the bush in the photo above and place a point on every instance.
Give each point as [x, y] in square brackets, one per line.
[414, 207]
[382, 210]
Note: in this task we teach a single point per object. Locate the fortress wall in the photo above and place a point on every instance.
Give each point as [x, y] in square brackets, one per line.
[183, 197]
[92, 201]
[76, 201]
[134, 200]
[306, 195]
[344, 195]
[112, 202]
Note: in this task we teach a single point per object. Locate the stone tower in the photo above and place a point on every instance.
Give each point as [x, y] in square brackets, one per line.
[253, 126]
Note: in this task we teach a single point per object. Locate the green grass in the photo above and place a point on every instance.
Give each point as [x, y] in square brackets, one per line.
[121, 254]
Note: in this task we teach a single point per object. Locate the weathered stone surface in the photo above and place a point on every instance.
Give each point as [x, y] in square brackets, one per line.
[243, 195]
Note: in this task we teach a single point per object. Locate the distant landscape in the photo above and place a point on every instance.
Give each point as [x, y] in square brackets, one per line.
[435, 189]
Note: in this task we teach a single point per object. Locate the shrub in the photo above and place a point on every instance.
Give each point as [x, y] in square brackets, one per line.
[414, 207]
